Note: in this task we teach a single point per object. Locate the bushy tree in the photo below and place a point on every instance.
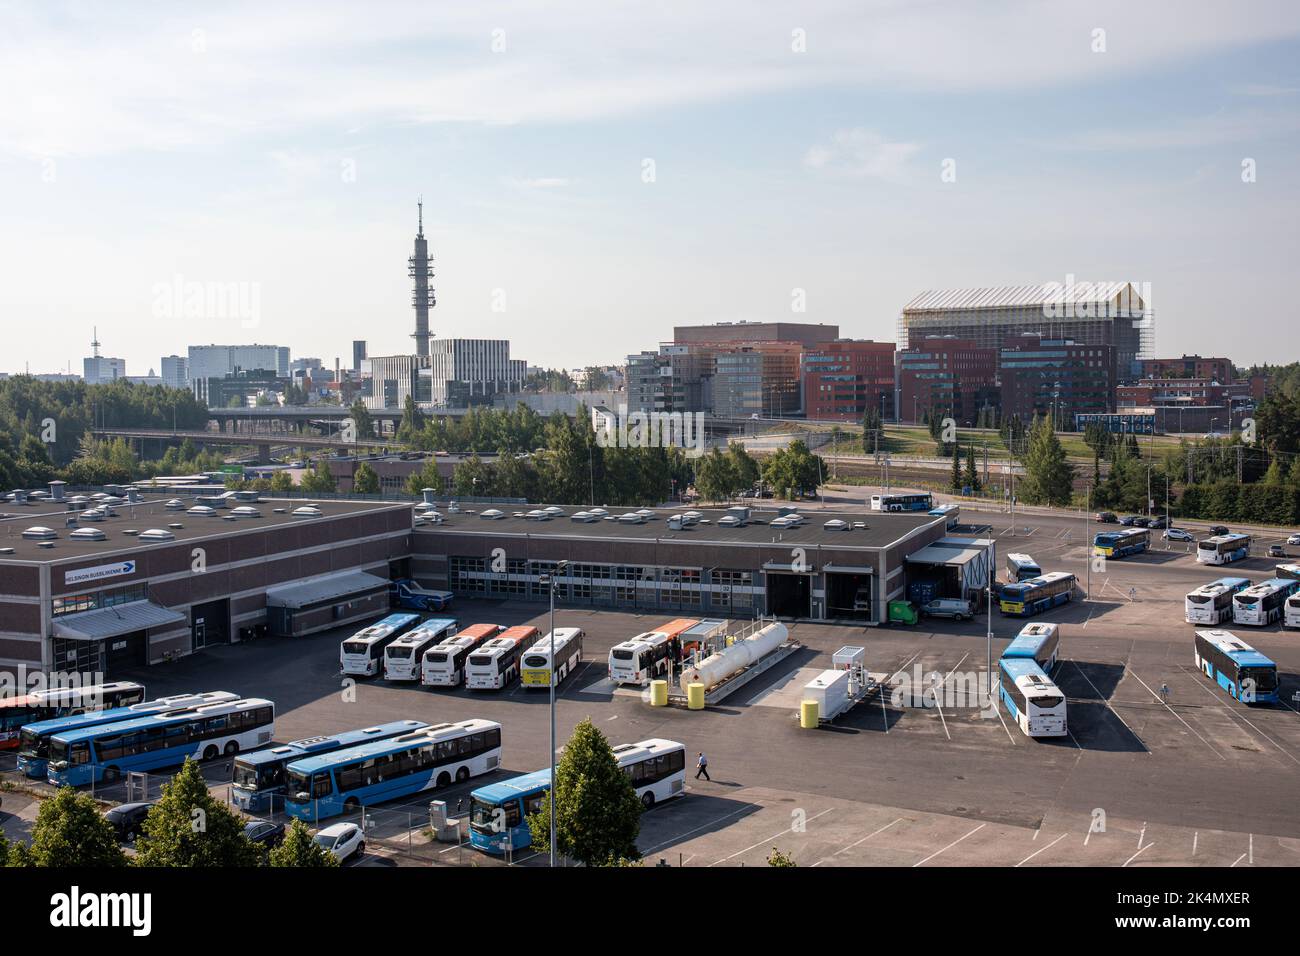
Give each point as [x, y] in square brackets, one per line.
[1049, 477]
[365, 481]
[300, 850]
[71, 832]
[188, 827]
[281, 482]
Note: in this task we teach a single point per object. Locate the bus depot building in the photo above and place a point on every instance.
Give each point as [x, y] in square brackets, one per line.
[148, 583]
[831, 567]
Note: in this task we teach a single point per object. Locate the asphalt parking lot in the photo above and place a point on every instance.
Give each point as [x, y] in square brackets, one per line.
[1159, 766]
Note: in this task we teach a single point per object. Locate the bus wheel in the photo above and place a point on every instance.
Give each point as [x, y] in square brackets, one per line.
[232, 748]
[647, 799]
[462, 774]
[444, 778]
[210, 752]
[111, 774]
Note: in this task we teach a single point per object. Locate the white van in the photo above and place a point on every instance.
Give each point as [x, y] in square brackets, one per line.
[958, 609]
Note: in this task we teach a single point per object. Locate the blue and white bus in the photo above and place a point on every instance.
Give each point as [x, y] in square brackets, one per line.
[951, 513]
[16, 712]
[1121, 543]
[261, 777]
[34, 742]
[499, 812]
[106, 752]
[347, 780]
[1033, 701]
[1212, 603]
[1223, 548]
[1262, 604]
[1021, 567]
[361, 655]
[1287, 571]
[1037, 594]
[402, 656]
[918, 501]
[1234, 665]
[1039, 643]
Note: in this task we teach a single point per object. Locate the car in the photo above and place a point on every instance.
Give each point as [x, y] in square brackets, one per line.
[1218, 529]
[1107, 517]
[1276, 551]
[344, 840]
[1293, 540]
[958, 609]
[266, 832]
[1155, 524]
[127, 820]
[1141, 522]
[1128, 521]
[1178, 534]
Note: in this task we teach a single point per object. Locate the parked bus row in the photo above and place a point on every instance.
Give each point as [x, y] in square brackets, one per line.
[16, 712]
[1034, 702]
[1241, 601]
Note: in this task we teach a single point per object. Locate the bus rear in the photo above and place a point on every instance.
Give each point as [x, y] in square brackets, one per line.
[403, 657]
[558, 653]
[496, 663]
[1021, 567]
[1212, 603]
[1035, 703]
[640, 659]
[1263, 603]
[1291, 614]
[444, 664]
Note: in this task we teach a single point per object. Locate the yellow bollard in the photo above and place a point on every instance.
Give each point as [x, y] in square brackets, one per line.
[808, 714]
[659, 693]
[695, 696]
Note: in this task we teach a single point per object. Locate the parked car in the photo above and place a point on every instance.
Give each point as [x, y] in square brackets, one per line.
[1107, 517]
[1155, 524]
[958, 609]
[266, 832]
[1218, 529]
[127, 820]
[1128, 521]
[1141, 522]
[344, 840]
[1276, 551]
[1293, 540]
[1178, 534]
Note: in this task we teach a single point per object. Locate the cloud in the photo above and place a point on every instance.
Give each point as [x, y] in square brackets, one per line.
[861, 152]
[1214, 129]
[539, 182]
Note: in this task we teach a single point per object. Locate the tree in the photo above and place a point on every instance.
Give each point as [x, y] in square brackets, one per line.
[793, 470]
[956, 481]
[777, 858]
[187, 827]
[742, 466]
[281, 482]
[713, 479]
[300, 850]
[363, 424]
[364, 480]
[1049, 478]
[319, 479]
[870, 425]
[473, 477]
[71, 832]
[412, 425]
[597, 813]
[972, 476]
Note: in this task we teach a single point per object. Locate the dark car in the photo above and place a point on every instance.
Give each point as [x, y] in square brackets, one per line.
[1107, 517]
[127, 820]
[1218, 529]
[1128, 521]
[1159, 523]
[265, 832]
[1141, 522]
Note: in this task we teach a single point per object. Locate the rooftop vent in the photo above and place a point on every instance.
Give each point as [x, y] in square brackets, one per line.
[554, 510]
[492, 514]
[39, 533]
[245, 511]
[204, 511]
[836, 524]
[307, 511]
[176, 524]
[88, 534]
[130, 532]
[175, 505]
[94, 514]
[156, 534]
[729, 521]
[6, 550]
[45, 544]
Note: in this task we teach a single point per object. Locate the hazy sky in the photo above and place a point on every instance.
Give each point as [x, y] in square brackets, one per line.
[278, 150]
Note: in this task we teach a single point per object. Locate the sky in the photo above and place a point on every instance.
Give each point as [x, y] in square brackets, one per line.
[595, 173]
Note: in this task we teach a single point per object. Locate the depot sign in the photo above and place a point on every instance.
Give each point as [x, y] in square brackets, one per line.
[99, 572]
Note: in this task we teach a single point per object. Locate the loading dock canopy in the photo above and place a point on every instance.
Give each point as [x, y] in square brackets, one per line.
[334, 587]
[115, 621]
[973, 556]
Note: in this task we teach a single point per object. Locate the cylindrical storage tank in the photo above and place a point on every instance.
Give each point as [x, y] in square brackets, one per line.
[695, 696]
[659, 693]
[716, 668]
[808, 714]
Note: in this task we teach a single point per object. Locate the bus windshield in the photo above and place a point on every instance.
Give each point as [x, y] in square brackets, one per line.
[621, 655]
[1265, 678]
[399, 653]
[355, 647]
[436, 657]
[245, 776]
[1046, 701]
[31, 744]
[299, 787]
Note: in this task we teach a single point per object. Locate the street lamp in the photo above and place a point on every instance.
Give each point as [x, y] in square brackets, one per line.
[552, 581]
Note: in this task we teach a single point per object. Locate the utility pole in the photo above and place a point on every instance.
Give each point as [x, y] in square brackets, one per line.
[1087, 507]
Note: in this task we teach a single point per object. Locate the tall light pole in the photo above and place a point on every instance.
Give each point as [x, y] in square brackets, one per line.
[560, 568]
[1087, 552]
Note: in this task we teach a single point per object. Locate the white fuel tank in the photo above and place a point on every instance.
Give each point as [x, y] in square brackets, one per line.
[716, 668]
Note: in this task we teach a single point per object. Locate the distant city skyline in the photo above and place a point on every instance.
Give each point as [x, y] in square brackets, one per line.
[249, 174]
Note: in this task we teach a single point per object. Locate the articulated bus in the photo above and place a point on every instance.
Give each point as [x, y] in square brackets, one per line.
[640, 659]
[1262, 604]
[1021, 567]
[1040, 643]
[1223, 549]
[1234, 665]
[952, 514]
[403, 656]
[444, 664]
[261, 777]
[1037, 594]
[1212, 603]
[360, 654]
[558, 653]
[1034, 702]
[920, 501]
[347, 780]
[496, 663]
[17, 712]
[499, 812]
[1122, 543]
[106, 752]
[34, 744]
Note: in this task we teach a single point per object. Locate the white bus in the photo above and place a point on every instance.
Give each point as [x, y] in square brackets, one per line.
[360, 654]
[559, 652]
[1262, 604]
[1034, 702]
[1223, 548]
[496, 663]
[444, 664]
[656, 768]
[640, 659]
[1212, 603]
[403, 657]
[1291, 613]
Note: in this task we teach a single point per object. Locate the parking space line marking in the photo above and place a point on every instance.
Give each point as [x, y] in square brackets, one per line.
[679, 837]
[938, 695]
[998, 710]
[1238, 859]
[1041, 849]
[1195, 836]
[788, 829]
[1139, 852]
[1175, 713]
[1250, 849]
[1233, 713]
[902, 667]
[950, 845]
[845, 849]
[1103, 699]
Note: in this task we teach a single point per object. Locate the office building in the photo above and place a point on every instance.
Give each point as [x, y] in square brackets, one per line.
[100, 369]
[1059, 378]
[1219, 370]
[176, 371]
[218, 361]
[805, 333]
[842, 379]
[358, 354]
[949, 377]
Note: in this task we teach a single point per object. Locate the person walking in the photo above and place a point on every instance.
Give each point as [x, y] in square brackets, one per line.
[702, 767]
